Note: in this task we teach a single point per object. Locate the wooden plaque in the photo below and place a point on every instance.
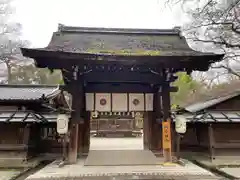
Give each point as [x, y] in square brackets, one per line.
[89, 101]
[119, 102]
[148, 102]
[166, 132]
[136, 102]
[103, 102]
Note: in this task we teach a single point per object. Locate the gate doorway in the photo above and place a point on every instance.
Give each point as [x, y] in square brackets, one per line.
[101, 60]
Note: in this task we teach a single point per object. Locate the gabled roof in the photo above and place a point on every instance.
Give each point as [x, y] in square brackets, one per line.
[213, 117]
[27, 92]
[207, 104]
[27, 116]
[211, 101]
[117, 41]
[166, 48]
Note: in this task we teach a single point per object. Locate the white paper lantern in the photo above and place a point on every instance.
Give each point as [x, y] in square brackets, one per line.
[62, 123]
[181, 124]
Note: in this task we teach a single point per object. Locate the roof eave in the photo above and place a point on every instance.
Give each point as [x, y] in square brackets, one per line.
[200, 106]
[44, 52]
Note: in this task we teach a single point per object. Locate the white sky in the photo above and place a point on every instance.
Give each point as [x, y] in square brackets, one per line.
[41, 17]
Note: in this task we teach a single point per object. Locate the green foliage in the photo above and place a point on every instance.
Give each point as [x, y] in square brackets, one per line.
[61, 82]
[125, 52]
[186, 89]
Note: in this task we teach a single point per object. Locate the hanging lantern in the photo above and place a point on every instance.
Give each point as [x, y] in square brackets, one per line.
[181, 124]
[62, 124]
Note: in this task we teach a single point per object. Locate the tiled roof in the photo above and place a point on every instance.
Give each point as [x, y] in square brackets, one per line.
[112, 41]
[212, 97]
[213, 117]
[27, 92]
[27, 117]
[209, 103]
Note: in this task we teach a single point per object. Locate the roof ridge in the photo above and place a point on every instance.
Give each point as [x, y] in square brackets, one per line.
[28, 85]
[76, 29]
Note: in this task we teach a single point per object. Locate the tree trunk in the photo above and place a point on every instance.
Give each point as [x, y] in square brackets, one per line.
[9, 71]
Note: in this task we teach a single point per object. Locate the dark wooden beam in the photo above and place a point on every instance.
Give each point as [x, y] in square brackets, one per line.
[118, 88]
[121, 77]
[40, 56]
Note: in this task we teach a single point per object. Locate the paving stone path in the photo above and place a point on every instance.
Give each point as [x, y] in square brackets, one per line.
[232, 171]
[79, 171]
[8, 174]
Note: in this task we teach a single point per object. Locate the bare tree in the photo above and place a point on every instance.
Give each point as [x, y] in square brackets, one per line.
[215, 26]
[10, 41]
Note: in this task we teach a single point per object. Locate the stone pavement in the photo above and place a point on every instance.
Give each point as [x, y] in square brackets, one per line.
[131, 143]
[121, 158]
[79, 171]
[8, 174]
[232, 171]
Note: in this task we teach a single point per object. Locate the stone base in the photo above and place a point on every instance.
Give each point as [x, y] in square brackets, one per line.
[79, 171]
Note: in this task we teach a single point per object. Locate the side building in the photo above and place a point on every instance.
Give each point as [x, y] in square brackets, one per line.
[213, 127]
[28, 115]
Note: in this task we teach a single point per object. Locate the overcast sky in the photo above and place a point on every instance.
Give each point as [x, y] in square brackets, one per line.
[41, 17]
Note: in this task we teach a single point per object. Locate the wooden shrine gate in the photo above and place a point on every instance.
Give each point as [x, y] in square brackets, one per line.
[99, 60]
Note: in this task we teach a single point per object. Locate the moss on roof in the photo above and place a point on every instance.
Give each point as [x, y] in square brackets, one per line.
[124, 52]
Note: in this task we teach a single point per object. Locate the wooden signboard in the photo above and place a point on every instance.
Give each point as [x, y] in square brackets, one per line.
[119, 102]
[103, 102]
[166, 130]
[136, 102]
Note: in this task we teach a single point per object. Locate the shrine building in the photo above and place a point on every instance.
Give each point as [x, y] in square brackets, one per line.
[110, 70]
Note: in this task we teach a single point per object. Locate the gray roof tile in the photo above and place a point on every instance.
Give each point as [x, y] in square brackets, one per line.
[213, 117]
[121, 41]
[31, 117]
[214, 98]
[27, 92]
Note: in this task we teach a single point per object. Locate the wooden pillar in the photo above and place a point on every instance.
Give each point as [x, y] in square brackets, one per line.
[149, 131]
[80, 138]
[157, 121]
[211, 142]
[86, 134]
[26, 139]
[76, 89]
[84, 128]
[26, 133]
[73, 142]
[35, 139]
[152, 133]
[81, 125]
[154, 126]
[146, 133]
[166, 124]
